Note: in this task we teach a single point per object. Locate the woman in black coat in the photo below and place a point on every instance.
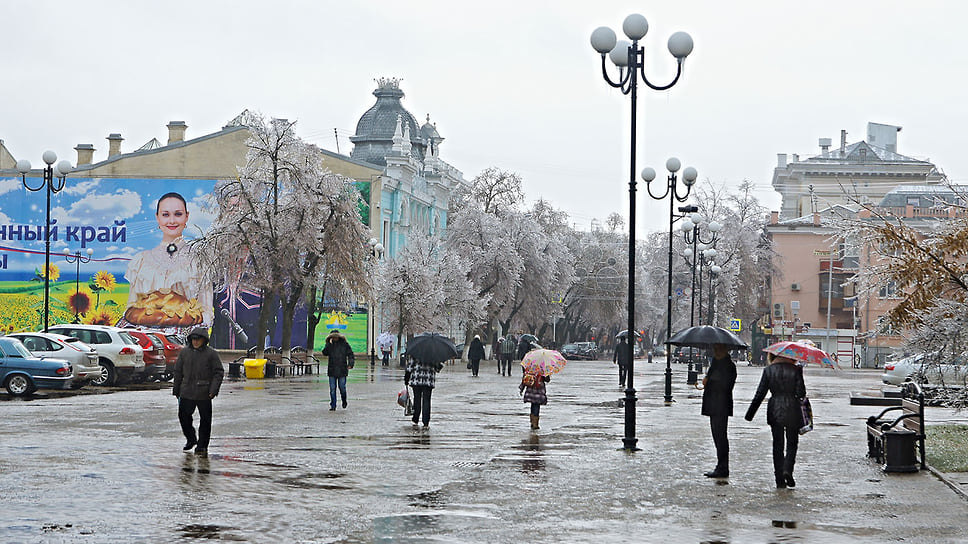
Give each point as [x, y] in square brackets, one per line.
[783, 378]
[475, 353]
[717, 403]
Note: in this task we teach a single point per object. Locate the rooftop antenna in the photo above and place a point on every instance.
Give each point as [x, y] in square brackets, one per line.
[336, 135]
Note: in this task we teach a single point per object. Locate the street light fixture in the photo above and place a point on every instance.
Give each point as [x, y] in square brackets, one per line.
[376, 250]
[630, 60]
[692, 233]
[55, 177]
[689, 176]
[77, 258]
[714, 271]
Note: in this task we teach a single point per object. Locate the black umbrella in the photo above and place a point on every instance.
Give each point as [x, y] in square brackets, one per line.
[705, 336]
[624, 333]
[431, 347]
[529, 338]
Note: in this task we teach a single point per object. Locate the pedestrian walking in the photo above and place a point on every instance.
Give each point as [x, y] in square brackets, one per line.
[475, 353]
[524, 346]
[385, 342]
[534, 391]
[783, 378]
[717, 403]
[507, 355]
[341, 359]
[421, 377]
[197, 379]
[621, 356]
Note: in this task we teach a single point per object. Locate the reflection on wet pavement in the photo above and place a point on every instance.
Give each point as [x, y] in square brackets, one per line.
[282, 468]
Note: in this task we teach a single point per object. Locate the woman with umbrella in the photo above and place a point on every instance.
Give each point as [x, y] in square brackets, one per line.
[538, 365]
[717, 395]
[717, 403]
[427, 353]
[783, 378]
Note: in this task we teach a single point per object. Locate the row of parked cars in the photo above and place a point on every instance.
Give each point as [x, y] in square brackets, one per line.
[73, 355]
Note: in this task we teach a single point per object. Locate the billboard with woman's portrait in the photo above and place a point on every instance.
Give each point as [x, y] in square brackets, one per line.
[142, 272]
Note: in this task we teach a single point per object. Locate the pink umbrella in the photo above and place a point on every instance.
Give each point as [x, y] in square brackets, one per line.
[544, 362]
[800, 351]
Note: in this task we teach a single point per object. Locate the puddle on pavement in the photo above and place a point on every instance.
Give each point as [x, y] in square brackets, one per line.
[209, 532]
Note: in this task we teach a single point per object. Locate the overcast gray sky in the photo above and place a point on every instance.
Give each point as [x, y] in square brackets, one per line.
[512, 84]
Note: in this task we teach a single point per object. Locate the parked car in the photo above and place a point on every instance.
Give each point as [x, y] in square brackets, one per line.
[580, 351]
[22, 373]
[682, 354]
[926, 368]
[154, 355]
[119, 355]
[570, 351]
[173, 344]
[588, 350]
[82, 357]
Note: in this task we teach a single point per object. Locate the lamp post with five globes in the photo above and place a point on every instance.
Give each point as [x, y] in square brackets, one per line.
[692, 234]
[376, 250]
[54, 179]
[689, 175]
[630, 60]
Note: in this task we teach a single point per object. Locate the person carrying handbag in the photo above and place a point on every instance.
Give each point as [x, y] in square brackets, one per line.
[783, 378]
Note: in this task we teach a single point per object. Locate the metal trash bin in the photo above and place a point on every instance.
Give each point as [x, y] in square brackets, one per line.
[900, 451]
[692, 377]
[270, 369]
[235, 369]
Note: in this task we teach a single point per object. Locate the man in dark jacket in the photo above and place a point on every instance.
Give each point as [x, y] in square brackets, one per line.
[621, 356]
[198, 377]
[341, 359]
[717, 403]
[475, 353]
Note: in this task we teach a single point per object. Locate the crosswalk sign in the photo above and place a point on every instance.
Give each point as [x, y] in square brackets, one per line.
[736, 325]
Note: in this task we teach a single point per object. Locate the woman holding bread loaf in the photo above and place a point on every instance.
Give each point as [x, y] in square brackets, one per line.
[166, 288]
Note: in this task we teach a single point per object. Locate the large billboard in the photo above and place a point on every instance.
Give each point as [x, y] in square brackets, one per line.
[141, 272]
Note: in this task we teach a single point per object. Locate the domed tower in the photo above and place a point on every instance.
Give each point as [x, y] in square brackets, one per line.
[429, 134]
[374, 131]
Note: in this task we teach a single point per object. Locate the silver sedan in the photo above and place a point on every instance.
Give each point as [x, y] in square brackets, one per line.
[82, 357]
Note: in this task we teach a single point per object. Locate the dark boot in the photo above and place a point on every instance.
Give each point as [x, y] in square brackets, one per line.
[534, 422]
[780, 481]
[788, 478]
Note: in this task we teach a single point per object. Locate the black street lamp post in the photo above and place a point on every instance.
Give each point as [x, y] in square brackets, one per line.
[55, 177]
[77, 258]
[707, 255]
[691, 231]
[689, 176]
[376, 250]
[714, 271]
[630, 60]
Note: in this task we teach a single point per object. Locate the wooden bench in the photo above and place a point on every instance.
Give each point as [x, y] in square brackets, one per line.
[892, 441]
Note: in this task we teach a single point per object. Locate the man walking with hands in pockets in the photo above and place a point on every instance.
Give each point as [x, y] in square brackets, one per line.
[197, 379]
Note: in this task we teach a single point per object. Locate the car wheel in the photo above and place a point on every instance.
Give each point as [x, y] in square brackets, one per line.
[166, 376]
[108, 374]
[19, 385]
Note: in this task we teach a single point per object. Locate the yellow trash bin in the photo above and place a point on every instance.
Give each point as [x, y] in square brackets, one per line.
[255, 368]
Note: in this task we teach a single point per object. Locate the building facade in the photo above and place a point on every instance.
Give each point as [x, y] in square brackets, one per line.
[813, 295]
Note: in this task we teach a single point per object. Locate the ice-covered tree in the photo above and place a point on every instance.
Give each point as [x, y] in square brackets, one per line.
[282, 220]
[425, 288]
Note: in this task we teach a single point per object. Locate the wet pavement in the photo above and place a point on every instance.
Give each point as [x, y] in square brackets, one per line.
[283, 468]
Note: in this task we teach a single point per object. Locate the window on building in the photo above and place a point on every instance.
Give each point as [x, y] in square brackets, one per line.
[888, 290]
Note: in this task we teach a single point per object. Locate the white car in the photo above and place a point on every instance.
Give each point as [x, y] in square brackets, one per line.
[923, 368]
[119, 355]
[82, 357]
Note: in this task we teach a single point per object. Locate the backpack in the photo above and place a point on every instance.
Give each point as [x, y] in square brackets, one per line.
[530, 380]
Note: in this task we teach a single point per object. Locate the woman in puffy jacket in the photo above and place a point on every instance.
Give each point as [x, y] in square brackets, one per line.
[783, 378]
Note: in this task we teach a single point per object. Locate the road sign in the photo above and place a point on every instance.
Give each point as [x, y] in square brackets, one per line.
[736, 325]
[679, 291]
